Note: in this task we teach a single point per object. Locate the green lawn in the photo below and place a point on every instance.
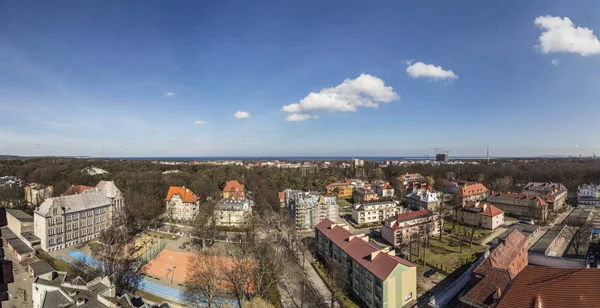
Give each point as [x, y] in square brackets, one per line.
[479, 233]
[343, 202]
[445, 254]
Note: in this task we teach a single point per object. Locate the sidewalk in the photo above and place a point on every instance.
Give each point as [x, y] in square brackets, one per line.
[316, 281]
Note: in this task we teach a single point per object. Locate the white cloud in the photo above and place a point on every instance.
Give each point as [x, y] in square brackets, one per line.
[364, 91]
[561, 35]
[297, 117]
[555, 62]
[242, 115]
[169, 94]
[420, 69]
[200, 123]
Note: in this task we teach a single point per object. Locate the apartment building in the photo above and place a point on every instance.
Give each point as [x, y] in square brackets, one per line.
[182, 204]
[423, 199]
[520, 205]
[113, 193]
[343, 189]
[555, 194]
[67, 220]
[309, 208]
[480, 214]
[232, 187]
[588, 194]
[234, 211]
[383, 189]
[399, 229]
[373, 211]
[491, 278]
[471, 191]
[35, 193]
[409, 178]
[376, 276]
[364, 195]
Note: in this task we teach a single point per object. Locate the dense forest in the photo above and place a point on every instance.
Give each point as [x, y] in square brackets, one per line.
[144, 182]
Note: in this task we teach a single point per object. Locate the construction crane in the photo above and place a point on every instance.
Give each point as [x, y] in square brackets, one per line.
[436, 150]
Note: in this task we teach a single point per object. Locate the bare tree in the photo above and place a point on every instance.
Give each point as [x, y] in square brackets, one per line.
[116, 262]
[578, 232]
[338, 280]
[203, 279]
[205, 225]
[239, 271]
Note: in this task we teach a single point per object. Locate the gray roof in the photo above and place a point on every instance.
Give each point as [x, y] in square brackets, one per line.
[109, 188]
[32, 238]
[19, 215]
[19, 246]
[55, 299]
[75, 203]
[232, 205]
[544, 242]
[41, 267]
[7, 234]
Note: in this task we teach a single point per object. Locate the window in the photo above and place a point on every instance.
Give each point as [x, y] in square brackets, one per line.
[51, 242]
[54, 211]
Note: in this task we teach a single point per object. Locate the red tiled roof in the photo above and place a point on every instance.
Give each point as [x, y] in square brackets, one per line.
[184, 193]
[410, 216]
[496, 270]
[548, 287]
[489, 209]
[506, 253]
[232, 186]
[472, 190]
[360, 250]
[237, 195]
[75, 190]
[541, 202]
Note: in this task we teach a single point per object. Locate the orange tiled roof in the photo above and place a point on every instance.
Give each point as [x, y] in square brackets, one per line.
[472, 189]
[281, 195]
[495, 270]
[547, 287]
[232, 186]
[184, 193]
[489, 210]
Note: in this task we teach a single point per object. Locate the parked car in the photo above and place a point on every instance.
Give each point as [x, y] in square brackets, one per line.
[430, 272]
[592, 259]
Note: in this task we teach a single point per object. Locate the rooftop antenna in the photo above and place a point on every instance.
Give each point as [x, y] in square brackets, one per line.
[488, 152]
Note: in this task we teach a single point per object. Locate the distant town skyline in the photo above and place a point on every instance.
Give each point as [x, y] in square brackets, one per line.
[116, 79]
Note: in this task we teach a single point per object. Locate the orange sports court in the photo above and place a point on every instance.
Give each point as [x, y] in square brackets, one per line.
[173, 265]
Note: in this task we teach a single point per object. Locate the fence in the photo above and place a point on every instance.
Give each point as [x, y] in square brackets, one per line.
[445, 296]
[152, 251]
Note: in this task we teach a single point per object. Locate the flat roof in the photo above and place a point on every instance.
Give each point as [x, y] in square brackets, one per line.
[32, 238]
[19, 215]
[526, 230]
[41, 267]
[544, 242]
[19, 246]
[7, 233]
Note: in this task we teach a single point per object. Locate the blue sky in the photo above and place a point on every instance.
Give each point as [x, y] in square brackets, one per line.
[129, 78]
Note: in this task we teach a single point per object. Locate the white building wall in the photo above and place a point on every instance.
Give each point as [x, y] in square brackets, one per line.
[40, 229]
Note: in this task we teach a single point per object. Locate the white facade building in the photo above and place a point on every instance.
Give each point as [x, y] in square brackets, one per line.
[373, 211]
[589, 194]
[67, 220]
[182, 203]
[234, 211]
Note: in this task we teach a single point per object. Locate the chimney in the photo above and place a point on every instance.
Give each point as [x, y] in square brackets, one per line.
[81, 301]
